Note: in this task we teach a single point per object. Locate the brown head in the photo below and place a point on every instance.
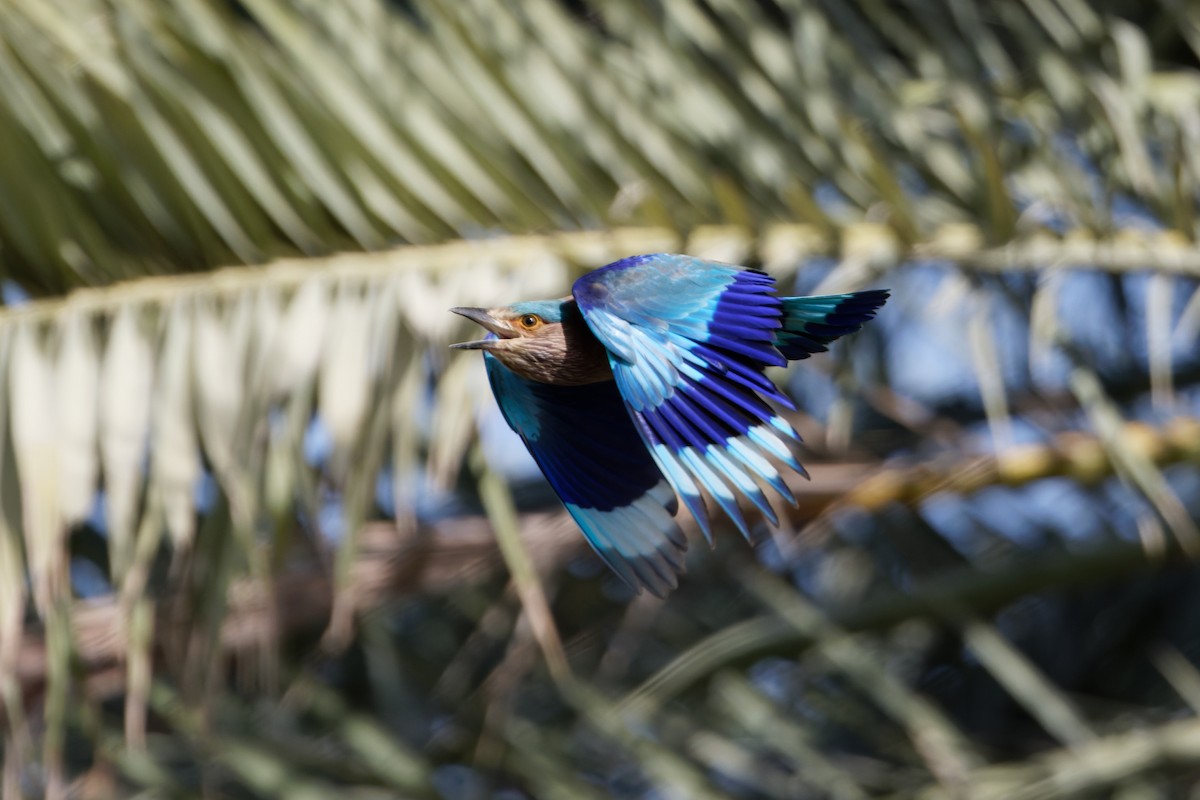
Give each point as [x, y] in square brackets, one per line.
[544, 340]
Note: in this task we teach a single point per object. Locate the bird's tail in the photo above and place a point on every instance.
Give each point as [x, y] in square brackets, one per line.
[811, 323]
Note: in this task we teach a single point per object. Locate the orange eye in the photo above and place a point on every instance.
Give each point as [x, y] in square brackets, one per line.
[530, 321]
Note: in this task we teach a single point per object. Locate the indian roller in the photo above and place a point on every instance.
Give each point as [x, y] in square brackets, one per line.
[648, 382]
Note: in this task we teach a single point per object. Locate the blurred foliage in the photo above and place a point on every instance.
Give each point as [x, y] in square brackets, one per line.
[247, 512]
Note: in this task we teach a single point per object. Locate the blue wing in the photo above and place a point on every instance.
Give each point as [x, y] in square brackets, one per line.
[589, 451]
[688, 341]
[811, 323]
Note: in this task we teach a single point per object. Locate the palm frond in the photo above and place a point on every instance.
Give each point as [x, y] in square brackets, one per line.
[244, 222]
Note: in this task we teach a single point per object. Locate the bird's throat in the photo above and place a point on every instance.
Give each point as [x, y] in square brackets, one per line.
[548, 362]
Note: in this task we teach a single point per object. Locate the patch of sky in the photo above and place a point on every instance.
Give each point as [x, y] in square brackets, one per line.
[385, 492]
[928, 358]
[813, 390]
[331, 518]
[1049, 370]
[1187, 400]
[1010, 332]
[1003, 519]
[317, 445]
[504, 450]
[1137, 286]
[1120, 506]
[1184, 480]
[1023, 516]
[88, 580]
[205, 492]
[1041, 213]
[1131, 213]
[98, 516]
[978, 437]
[774, 678]
[950, 517]
[1058, 504]
[833, 202]
[810, 274]
[1144, 408]
[13, 294]
[429, 503]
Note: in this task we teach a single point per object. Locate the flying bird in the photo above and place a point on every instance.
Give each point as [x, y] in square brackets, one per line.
[647, 383]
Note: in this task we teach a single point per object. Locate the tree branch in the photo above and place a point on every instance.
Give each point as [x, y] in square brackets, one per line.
[463, 551]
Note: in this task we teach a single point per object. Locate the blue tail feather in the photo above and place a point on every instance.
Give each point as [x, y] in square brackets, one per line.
[811, 323]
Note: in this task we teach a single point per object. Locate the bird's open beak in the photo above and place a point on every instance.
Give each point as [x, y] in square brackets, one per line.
[501, 329]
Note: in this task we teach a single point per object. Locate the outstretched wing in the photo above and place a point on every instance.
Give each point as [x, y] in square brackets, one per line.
[586, 446]
[688, 341]
[811, 323]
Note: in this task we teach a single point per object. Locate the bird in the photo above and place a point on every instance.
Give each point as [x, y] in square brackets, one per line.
[646, 385]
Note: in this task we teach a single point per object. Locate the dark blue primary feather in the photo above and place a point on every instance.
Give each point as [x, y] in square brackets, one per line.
[588, 449]
[688, 341]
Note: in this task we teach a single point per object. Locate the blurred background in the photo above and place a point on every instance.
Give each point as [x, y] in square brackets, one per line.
[263, 535]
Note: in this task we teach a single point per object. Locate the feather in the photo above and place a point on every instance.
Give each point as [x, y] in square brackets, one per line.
[811, 323]
[586, 446]
[696, 384]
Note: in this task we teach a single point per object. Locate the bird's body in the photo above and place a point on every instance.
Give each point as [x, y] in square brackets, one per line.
[648, 381]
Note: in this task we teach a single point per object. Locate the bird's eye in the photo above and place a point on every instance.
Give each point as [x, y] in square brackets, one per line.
[530, 321]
